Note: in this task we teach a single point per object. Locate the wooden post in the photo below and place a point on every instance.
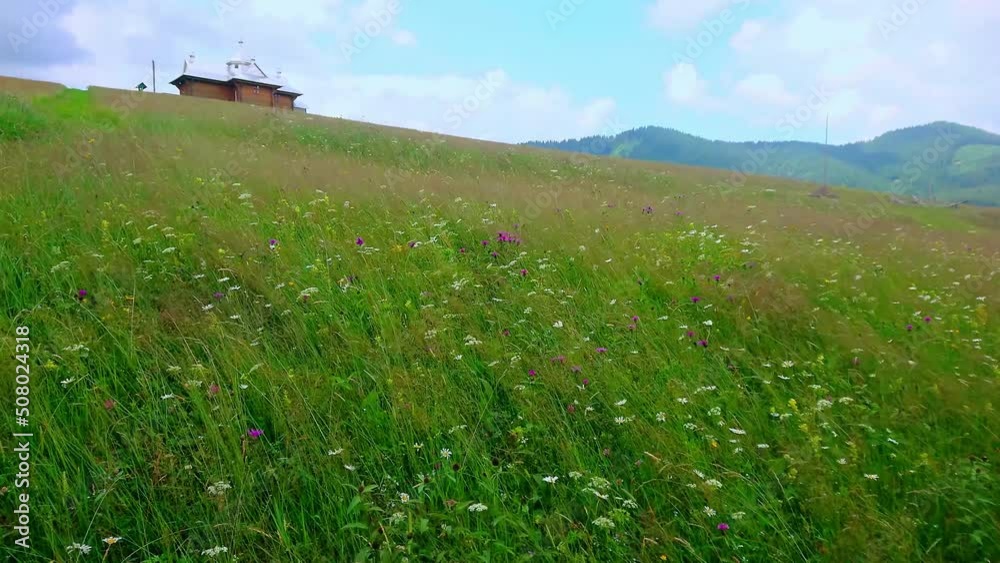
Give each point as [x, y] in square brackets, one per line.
[154, 76]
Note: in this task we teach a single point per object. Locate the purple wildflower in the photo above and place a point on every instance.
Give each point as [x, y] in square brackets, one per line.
[273, 243]
[255, 433]
[81, 294]
[360, 241]
[695, 299]
[723, 527]
[601, 350]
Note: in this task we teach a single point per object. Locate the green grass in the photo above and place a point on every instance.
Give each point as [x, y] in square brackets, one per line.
[770, 403]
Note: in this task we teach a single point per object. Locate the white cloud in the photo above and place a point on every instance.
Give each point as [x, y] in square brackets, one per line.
[673, 15]
[766, 89]
[746, 36]
[404, 37]
[682, 83]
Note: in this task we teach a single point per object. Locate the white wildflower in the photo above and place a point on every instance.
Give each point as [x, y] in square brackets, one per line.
[219, 488]
[604, 522]
[81, 547]
[213, 551]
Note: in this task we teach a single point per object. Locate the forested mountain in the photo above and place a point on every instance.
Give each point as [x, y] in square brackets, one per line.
[946, 161]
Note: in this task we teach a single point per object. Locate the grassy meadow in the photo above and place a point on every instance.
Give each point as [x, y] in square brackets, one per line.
[282, 337]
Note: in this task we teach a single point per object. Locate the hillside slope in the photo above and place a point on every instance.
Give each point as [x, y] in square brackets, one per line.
[948, 161]
[278, 337]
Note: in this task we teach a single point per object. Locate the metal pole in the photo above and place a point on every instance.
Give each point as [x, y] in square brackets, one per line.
[154, 76]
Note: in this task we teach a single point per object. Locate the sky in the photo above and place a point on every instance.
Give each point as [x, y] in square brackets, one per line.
[521, 70]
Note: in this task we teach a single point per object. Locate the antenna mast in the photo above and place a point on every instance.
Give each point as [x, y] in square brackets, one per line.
[826, 152]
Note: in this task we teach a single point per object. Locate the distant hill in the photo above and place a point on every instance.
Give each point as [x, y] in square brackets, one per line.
[956, 162]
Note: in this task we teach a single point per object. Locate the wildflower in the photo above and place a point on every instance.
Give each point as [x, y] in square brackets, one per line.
[213, 551]
[403, 497]
[927, 319]
[604, 522]
[524, 272]
[551, 479]
[602, 350]
[112, 540]
[214, 389]
[557, 324]
[871, 476]
[360, 241]
[661, 417]
[478, 507]
[909, 328]
[738, 431]
[586, 381]
[723, 527]
[219, 488]
[695, 299]
[703, 343]
[80, 294]
[273, 243]
[109, 404]
[532, 373]
[255, 433]
[81, 547]
[709, 511]
[445, 453]
[571, 408]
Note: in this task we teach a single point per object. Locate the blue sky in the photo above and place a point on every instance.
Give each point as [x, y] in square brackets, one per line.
[549, 69]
